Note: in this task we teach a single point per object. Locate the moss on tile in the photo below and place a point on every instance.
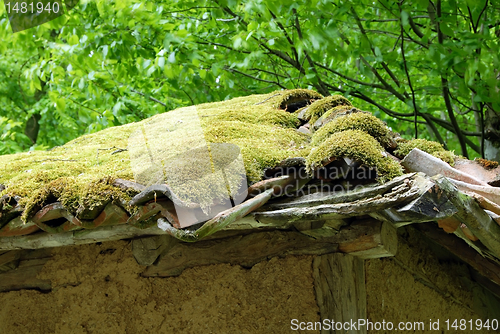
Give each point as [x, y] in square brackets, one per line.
[356, 121]
[331, 113]
[318, 108]
[81, 171]
[295, 95]
[357, 145]
[488, 164]
[334, 113]
[431, 147]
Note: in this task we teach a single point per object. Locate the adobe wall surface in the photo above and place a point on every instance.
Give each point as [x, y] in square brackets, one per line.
[97, 289]
[420, 284]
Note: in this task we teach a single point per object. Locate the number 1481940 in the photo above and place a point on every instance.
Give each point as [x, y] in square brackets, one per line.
[31, 7]
[470, 325]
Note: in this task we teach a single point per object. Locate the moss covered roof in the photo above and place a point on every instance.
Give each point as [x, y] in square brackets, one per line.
[80, 174]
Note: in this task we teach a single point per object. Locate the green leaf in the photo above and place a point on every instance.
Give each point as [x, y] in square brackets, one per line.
[161, 62]
[237, 42]
[446, 30]
[171, 58]
[81, 84]
[73, 40]
[104, 51]
[405, 18]
[60, 104]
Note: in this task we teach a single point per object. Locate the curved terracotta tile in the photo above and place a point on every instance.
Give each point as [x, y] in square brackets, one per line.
[54, 218]
[17, 227]
[111, 215]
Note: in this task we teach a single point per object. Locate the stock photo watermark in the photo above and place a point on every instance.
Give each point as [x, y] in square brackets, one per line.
[465, 325]
[204, 178]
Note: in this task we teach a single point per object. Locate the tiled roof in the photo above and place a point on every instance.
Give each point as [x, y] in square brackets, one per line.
[314, 177]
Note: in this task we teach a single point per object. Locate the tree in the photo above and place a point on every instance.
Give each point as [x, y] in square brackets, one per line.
[429, 68]
[429, 64]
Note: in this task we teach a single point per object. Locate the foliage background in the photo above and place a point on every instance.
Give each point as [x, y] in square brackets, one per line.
[428, 68]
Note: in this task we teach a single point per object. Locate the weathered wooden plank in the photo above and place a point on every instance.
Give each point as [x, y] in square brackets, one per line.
[320, 228]
[24, 277]
[369, 239]
[245, 250]
[339, 283]
[9, 260]
[431, 205]
[420, 161]
[491, 193]
[360, 193]
[473, 216]
[365, 239]
[111, 233]
[99, 234]
[404, 193]
[369, 200]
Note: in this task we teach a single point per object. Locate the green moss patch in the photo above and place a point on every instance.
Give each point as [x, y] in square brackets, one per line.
[356, 121]
[80, 173]
[294, 96]
[357, 145]
[262, 145]
[431, 147]
[318, 108]
[253, 115]
[334, 113]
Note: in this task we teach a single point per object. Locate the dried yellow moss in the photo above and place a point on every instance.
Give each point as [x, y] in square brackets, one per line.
[488, 164]
[431, 147]
[357, 145]
[356, 121]
[318, 108]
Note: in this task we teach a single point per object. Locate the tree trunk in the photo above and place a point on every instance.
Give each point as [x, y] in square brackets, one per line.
[32, 127]
[492, 135]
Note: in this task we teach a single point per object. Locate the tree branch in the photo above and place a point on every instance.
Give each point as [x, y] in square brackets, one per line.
[349, 78]
[363, 32]
[290, 41]
[149, 97]
[414, 27]
[268, 72]
[322, 87]
[222, 46]
[253, 77]
[362, 96]
[414, 102]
